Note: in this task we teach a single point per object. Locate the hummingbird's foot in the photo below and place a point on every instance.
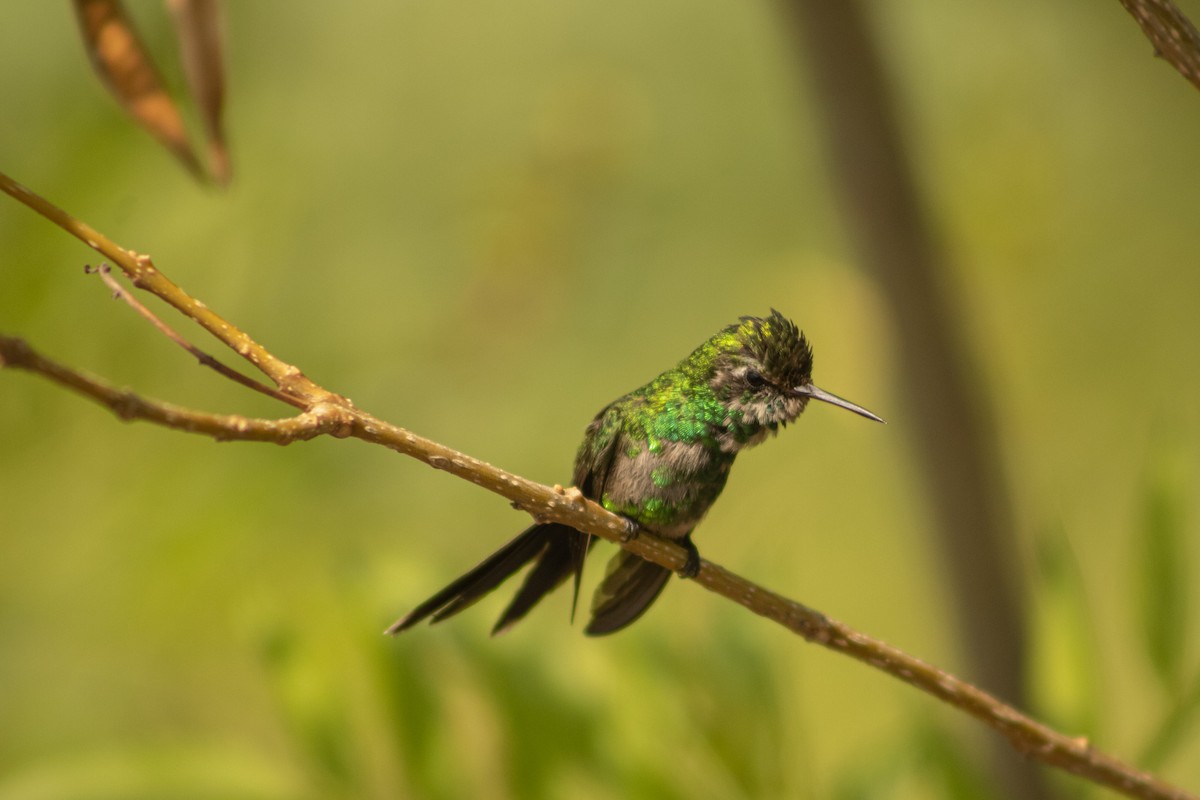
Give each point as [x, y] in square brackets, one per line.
[691, 566]
[631, 531]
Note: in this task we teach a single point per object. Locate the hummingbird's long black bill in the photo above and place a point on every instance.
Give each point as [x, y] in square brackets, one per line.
[808, 390]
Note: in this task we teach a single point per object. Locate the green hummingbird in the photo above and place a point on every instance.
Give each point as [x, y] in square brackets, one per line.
[659, 456]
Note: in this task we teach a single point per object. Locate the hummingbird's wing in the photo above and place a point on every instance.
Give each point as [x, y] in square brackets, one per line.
[631, 584]
[594, 460]
[593, 463]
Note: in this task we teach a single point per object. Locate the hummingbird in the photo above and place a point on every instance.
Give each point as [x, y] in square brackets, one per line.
[658, 456]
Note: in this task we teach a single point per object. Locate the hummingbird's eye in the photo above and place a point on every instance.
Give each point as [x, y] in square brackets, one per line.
[754, 379]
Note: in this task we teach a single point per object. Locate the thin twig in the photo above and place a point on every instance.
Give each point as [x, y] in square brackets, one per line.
[119, 293]
[141, 271]
[330, 414]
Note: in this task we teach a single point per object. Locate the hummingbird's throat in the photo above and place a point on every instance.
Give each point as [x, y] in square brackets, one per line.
[751, 421]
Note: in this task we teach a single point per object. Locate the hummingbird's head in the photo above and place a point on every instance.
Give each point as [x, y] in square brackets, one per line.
[762, 373]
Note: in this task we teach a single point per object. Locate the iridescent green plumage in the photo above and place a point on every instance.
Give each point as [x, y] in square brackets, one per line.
[659, 456]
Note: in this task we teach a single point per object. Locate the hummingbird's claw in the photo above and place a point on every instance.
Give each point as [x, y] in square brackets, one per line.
[691, 566]
[631, 531]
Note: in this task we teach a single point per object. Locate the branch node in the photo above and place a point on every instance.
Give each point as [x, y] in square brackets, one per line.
[332, 420]
[126, 405]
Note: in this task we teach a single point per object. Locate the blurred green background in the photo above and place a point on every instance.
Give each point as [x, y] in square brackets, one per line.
[485, 221]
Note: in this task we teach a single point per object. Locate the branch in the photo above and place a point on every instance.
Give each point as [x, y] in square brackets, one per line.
[141, 271]
[125, 404]
[1174, 37]
[328, 413]
[119, 293]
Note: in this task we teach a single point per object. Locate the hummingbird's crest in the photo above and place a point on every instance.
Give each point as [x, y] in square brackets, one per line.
[779, 346]
[755, 366]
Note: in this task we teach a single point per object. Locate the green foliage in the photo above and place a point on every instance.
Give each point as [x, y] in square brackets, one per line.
[1064, 670]
[1163, 560]
[930, 761]
[313, 711]
[1177, 730]
[1164, 556]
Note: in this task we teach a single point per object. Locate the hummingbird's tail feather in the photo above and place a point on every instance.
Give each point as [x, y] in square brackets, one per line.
[580, 545]
[562, 555]
[630, 585]
[545, 540]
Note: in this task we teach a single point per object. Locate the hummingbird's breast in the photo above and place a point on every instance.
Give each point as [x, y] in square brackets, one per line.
[665, 486]
[669, 459]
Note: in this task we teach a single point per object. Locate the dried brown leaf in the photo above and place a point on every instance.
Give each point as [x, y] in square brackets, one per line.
[125, 66]
[201, 43]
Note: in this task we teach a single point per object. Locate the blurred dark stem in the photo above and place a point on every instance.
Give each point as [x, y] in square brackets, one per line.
[953, 435]
[1174, 37]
